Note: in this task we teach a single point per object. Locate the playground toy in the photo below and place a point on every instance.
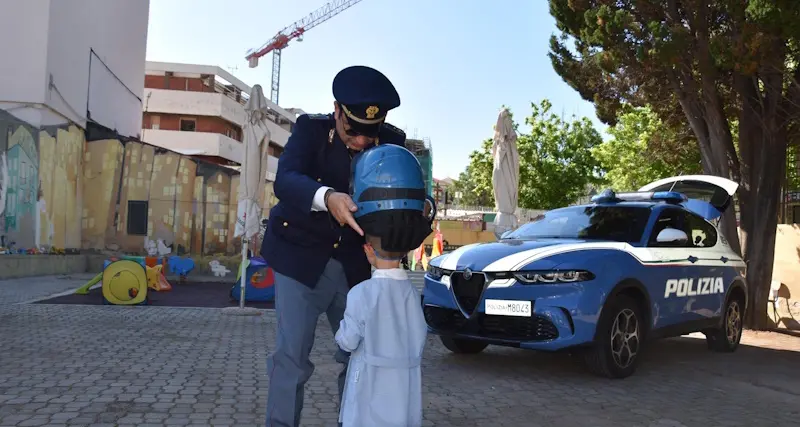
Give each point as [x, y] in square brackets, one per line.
[155, 280]
[218, 269]
[181, 266]
[259, 282]
[124, 283]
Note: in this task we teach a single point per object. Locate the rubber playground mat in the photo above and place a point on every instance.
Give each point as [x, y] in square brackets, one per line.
[189, 294]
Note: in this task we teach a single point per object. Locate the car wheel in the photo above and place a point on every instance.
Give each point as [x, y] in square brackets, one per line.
[462, 346]
[619, 338]
[726, 339]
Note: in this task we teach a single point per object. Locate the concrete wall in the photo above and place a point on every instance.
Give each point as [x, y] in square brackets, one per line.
[59, 38]
[787, 273]
[13, 266]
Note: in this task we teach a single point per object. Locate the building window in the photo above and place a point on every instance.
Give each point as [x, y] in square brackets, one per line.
[231, 133]
[155, 122]
[275, 149]
[188, 125]
[137, 217]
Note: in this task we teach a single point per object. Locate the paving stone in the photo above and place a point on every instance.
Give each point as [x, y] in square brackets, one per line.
[69, 365]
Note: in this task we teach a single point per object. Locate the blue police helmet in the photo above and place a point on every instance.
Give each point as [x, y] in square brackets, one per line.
[387, 177]
[389, 190]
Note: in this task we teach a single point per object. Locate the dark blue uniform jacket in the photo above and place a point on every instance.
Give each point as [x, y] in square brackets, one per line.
[298, 242]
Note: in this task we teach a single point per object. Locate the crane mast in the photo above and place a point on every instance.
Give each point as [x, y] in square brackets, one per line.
[294, 31]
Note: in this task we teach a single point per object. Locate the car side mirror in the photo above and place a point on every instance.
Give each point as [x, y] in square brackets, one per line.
[672, 235]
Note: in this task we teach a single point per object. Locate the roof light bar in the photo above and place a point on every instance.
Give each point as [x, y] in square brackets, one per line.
[609, 196]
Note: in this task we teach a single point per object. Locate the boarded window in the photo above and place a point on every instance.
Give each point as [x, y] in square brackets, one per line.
[137, 217]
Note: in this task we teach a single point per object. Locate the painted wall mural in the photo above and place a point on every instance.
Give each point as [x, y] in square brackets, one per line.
[4, 181]
[58, 191]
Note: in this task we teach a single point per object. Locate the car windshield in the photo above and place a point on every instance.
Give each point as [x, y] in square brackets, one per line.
[617, 223]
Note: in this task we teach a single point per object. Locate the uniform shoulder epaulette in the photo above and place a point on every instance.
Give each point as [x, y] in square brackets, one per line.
[319, 116]
[394, 129]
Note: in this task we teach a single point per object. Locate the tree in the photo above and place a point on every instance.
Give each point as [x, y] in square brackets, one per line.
[639, 134]
[718, 62]
[475, 183]
[556, 163]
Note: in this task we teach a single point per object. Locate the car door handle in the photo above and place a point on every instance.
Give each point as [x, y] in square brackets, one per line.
[723, 259]
[692, 259]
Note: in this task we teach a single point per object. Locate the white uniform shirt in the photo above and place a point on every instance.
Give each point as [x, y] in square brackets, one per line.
[385, 331]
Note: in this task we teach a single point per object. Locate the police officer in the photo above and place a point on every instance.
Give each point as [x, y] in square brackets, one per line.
[312, 241]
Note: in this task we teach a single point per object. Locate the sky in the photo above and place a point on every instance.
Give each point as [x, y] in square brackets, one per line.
[454, 63]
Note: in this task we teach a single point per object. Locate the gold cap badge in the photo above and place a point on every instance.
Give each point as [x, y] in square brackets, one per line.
[372, 111]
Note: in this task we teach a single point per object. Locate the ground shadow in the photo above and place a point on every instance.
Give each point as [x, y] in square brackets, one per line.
[765, 367]
[189, 294]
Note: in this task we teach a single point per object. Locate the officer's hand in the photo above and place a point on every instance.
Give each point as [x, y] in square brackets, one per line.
[341, 206]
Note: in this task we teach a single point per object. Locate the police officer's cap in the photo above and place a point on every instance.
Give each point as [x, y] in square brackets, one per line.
[365, 95]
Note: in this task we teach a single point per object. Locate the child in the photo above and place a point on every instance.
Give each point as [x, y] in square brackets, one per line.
[385, 331]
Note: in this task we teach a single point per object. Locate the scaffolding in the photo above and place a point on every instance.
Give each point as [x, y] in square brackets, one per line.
[422, 150]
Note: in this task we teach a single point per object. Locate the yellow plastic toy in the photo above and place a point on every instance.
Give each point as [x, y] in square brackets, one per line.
[124, 283]
[156, 281]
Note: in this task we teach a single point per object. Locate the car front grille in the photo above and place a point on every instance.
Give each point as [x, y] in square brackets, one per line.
[535, 328]
[467, 291]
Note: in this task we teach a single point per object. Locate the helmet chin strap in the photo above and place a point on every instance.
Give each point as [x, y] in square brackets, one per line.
[386, 258]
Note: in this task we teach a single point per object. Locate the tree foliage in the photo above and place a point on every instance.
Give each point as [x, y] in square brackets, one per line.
[643, 149]
[716, 65]
[556, 163]
[475, 183]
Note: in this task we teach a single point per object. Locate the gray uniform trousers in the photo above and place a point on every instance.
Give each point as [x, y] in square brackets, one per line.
[298, 308]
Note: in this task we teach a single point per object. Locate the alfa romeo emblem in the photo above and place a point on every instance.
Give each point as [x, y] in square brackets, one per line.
[467, 274]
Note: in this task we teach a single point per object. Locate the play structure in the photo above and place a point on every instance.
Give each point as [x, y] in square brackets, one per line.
[124, 283]
[126, 280]
[259, 282]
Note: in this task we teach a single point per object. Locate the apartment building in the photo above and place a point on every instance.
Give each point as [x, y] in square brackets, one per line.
[198, 110]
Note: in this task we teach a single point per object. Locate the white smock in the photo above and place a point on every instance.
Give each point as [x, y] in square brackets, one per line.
[385, 331]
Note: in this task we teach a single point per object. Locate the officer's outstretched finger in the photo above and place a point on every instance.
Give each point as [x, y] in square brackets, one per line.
[353, 224]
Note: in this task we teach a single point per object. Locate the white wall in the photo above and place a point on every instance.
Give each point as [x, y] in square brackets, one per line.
[55, 38]
[117, 31]
[24, 61]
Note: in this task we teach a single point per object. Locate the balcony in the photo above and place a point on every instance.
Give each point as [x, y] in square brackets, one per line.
[195, 143]
[206, 104]
[203, 144]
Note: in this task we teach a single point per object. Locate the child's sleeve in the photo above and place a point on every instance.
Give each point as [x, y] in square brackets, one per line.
[351, 328]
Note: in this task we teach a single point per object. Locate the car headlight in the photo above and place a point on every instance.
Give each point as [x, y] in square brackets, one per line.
[435, 273]
[567, 276]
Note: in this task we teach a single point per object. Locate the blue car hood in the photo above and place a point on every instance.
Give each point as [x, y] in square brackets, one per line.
[477, 256]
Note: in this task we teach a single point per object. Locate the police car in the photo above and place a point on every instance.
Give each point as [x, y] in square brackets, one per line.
[598, 279]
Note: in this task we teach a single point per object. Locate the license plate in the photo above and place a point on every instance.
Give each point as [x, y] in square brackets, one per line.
[445, 280]
[501, 307]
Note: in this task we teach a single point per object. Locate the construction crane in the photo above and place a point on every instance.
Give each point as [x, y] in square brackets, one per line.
[294, 31]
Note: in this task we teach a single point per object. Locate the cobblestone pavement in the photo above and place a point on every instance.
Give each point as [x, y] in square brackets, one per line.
[67, 365]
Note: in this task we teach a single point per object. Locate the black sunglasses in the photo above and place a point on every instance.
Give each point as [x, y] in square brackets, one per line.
[350, 131]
